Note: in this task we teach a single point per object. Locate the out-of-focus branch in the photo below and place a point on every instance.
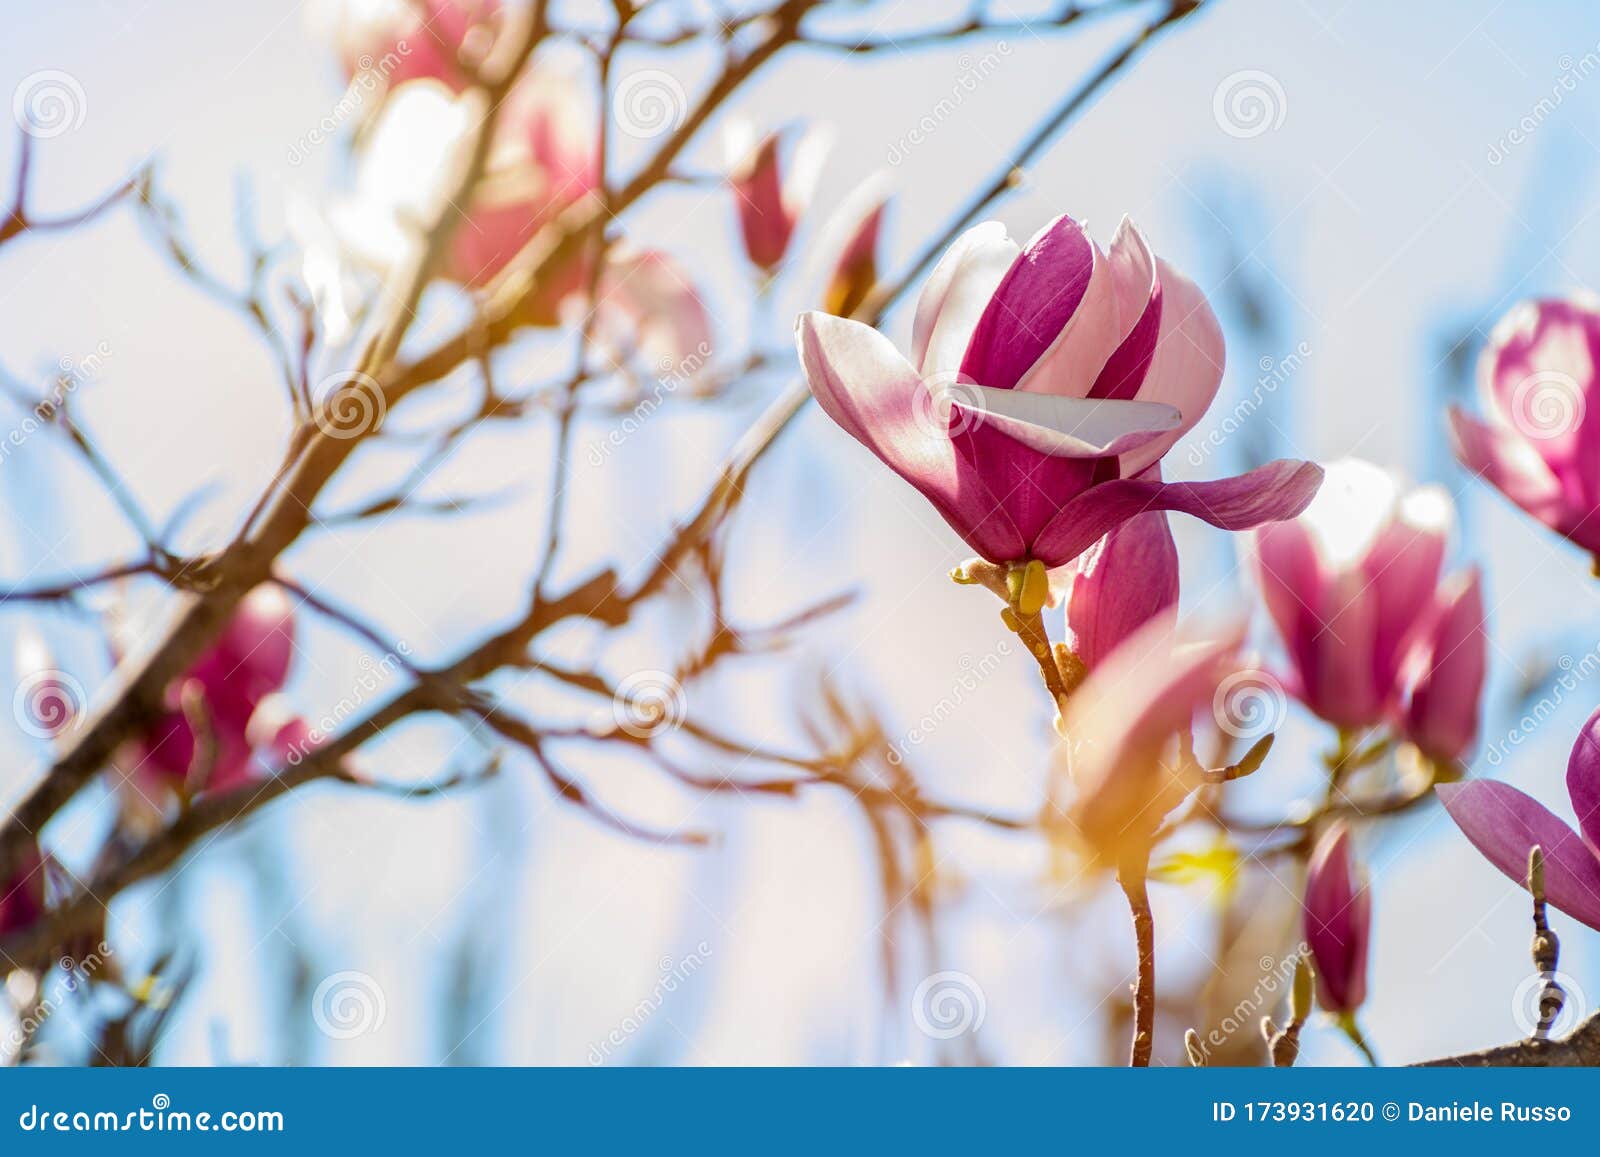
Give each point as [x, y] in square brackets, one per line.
[139, 684]
[20, 219]
[498, 317]
[978, 25]
[213, 586]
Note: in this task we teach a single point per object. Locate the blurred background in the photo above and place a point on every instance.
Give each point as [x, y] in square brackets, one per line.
[1402, 174]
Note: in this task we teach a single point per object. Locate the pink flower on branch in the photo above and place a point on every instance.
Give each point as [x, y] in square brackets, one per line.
[1338, 922]
[400, 40]
[1446, 667]
[211, 718]
[1504, 824]
[1119, 584]
[1540, 444]
[1044, 385]
[1353, 587]
[771, 190]
[856, 229]
[1129, 726]
[544, 159]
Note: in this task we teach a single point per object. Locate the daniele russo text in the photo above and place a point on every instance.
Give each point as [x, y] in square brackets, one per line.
[1484, 1111]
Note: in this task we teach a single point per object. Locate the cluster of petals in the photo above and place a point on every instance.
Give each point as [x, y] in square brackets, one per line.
[1373, 631]
[222, 719]
[1044, 384]
[1539, 442]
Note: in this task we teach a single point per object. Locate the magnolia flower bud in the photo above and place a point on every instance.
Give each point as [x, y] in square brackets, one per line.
[1338, 922]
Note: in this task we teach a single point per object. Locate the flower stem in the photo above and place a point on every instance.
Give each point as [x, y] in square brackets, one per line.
[1030, 629]
[1347, 1022]
[1131, 875]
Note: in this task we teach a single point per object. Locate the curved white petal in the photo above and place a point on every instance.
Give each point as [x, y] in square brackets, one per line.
[1069, 427]
[955, 295]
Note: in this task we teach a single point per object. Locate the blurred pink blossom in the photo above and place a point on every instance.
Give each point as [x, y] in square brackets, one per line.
[400, 40]
[1128, 727]
[226, 685]
[771, 190]
[1540, 444]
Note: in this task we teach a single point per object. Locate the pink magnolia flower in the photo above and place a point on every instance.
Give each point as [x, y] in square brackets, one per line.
[543, 160]
[1119, 584]
[1338, 922]
[1347, 584]
[1504, 824]
[859, 222]
[228, 684]
[1043, 388]
[771, 192]
[394, 41]
[649, 308]
[1128, 725]
[1539, 444]
[1445, 669]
